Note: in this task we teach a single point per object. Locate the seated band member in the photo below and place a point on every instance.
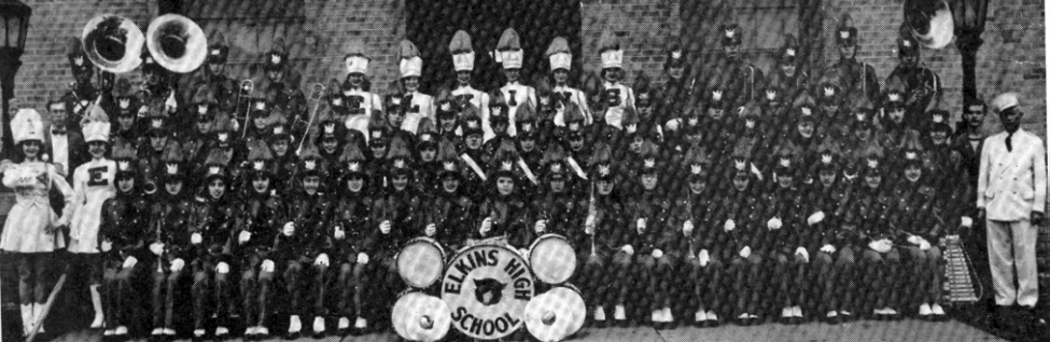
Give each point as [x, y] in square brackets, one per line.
[695, 213]
[168, 239]
[259, 219]
[352, 233]
[923, 221]
[211, 223]
[449, 212]
[607, 223]
[657, 244]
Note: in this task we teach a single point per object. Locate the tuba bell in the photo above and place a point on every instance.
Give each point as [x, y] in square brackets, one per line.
[930, 21]
[113, 43]
[177, 43]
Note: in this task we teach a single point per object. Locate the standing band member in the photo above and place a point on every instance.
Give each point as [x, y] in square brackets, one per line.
[418, 106]
[560, 57]
[1011, 194]
[515, 94]
[616, 96]
[462, 91]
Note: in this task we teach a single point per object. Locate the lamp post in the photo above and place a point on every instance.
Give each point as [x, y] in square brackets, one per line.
[969, 17]
[14, 22]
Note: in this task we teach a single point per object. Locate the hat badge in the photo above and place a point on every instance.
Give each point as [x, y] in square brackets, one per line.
[78, 60]
[445, 106]
[739, 164]
[749, 123]
[223, 136]
[377, 134]
[354, 166]
[911, 155]
[425, 138]
[650, 163]
[172, 168]
[556, 168]
[906, 43]
[506, 166]
[449, 165]
[125, 103]
[873, 163]
[938, 118]
[861, 116]
[716, 95]
[202, 109]
[771, 94]
[259, 165]
[156, 122]
[496, 110]
[806, 111]
[894, 97]
[399, 163]
[260, 105]
[844, 34]
[123, 165]
[214, 170]
[676, 54]
[526, 127]
[310, 164]
[829, 91]
[472, 124]
[790, 52]
[215, 52]
[785, 162]
[278, 129]
[329, 128]
[275, 58]
[730, 32]
[338, 101]
[631, 128]
[826, 159]
[603, 170]
[696, 169]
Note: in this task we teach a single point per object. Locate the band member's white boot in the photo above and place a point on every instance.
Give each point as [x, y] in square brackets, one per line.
[27, 318]
[700, 316]
[361, 323]
[924, 310]
[619, 313]
[344, 323]
[668, 316]
[318, 326]
[38, 317]
[599, 313]
[96, 303]
[294, 326]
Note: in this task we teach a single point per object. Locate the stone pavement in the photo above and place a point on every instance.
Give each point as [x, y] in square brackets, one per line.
[900, 331]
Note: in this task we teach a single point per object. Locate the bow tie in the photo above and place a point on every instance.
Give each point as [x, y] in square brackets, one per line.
[58, 132]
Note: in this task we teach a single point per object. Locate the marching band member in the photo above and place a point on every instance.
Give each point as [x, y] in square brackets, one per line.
[168, 240]
[449, 212]
[616, 96]
[922, 86]
[285, 164]
[743, 80]
[791, 240]
[82, 90]
[213, 75]
[121, 237]
[881, 259]
[474, 182]
[655, 243]
[149, 153]
[396, 215]
[258, 222]
[352, 233]
[789, 74]
[741, 219]
[92, 185]
[557, 209]
[510, 55]
[528, 139]
[504, 213]
[210, 226]
[305, 240]
[280, 86]
[560, 57]
[608, 224]
[676, 94]
[695, 212]
[356, 92]
[429, 166]
[463, 92]
[31, 236]
[158, 90]
[417, 105]
[860, 78]
[921, 218]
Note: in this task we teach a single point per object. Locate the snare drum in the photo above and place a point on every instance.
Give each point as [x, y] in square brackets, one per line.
[552, 259]
[555, 314]
[419, 317]
[421, 262]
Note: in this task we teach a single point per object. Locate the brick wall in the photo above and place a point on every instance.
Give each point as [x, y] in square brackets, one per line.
[1011, 59]
[643, 27]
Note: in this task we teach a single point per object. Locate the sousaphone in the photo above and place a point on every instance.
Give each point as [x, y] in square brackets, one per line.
[113, 43]
[177, 43]
[930, 21]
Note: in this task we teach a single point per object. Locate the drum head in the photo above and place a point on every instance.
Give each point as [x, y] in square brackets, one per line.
[556, 314]
[552, 259]
[421, 263]
[419, 317]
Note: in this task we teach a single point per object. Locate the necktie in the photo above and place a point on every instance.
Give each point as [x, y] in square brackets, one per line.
[1009, 146]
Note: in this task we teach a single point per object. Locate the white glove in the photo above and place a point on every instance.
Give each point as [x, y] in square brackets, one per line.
[588, 225]
[703, 257]
[658, 253]
[967, 222]
[641, 225]
[914, 239]
[362, 258]
[196, 238]
[244, 237]
[730, 225]
[627, 249]
[828, 249]
[222, 268]
[881, 246]
[745, 252]
[157, 248]
[540, 226]
[384, 227]
[925, 245]
[774, 223]
[339, 233]
[803, 252]
[321, 260]
[815, 218]
[431, 229]
[106, 246]
[177, 265]
[687, 227]
[486, 226]
[130, 262]
[267, 266]
[289, 229]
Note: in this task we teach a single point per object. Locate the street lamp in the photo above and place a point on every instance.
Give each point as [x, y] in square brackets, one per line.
[969, 17]
[14, 22]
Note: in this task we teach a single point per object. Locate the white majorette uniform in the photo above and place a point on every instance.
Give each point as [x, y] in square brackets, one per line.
[420, 105]
[560, 57]
[509, 53]
[617, 96]
[361, 103]
[463, 60]
[92, 186]
[26, 225]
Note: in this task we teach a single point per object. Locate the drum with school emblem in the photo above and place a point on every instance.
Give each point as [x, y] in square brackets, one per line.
[420, 262]
[552, 259]
[555, 314]
[487, 288]
[421, 317]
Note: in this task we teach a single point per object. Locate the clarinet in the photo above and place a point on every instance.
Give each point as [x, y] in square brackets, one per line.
[592, 211]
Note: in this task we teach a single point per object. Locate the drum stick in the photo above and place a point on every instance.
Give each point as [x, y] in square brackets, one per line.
[591, 209]
[47, 307]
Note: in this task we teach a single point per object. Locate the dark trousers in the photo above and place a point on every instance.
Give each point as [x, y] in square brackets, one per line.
[294, 274]
[925, 269]
[791, 274]
[256, 291]
[209, 285]
[119, 295]
[748, 282]
[708, 290]
[659, 275]
[593, 280]
[841, 282]
[164, 283]
[881, 279]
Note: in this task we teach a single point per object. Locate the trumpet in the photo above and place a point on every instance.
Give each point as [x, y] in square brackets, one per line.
[244, 90]
[316, 92]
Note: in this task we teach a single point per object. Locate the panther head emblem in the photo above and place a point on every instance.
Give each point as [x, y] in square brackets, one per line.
[488, 291]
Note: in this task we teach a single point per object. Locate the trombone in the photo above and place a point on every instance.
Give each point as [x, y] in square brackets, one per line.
[244, 91]
[316, 92]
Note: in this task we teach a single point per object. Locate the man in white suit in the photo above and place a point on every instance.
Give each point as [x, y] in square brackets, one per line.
[1012, 196]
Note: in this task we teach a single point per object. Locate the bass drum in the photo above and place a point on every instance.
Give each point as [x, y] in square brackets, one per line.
[552, 259]
[421, 262]
[420, 317]
[556, 314]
